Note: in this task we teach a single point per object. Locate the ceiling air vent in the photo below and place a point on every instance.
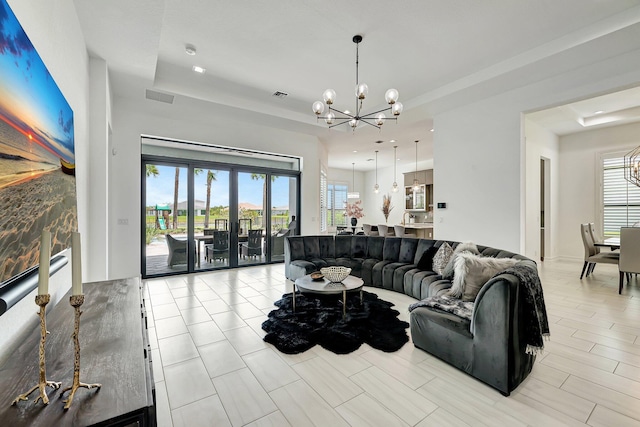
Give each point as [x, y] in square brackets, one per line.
[279, 94]
[159, 96]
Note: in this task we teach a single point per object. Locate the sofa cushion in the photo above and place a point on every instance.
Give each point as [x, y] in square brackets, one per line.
[441, 258]
[359, 247]
[327, 247]
[375, 247]
[343, 246]
[311, 247]
[391, 249]
[296, 245]
[426, 261]
[408, 248]
[473, 271]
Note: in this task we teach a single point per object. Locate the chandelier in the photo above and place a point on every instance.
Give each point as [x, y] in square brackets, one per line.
[375, 119]
[632, 166]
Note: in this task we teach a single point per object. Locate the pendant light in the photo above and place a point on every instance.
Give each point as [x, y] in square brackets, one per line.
[395, 161]
[416, 184]
[353, 194]
[376, 188]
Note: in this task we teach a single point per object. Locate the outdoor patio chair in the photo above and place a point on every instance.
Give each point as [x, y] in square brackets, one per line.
[253, 246]
[177, 251]
[220, 247]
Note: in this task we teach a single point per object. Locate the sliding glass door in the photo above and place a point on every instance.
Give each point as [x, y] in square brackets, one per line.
[211, 233]
[204, 216]
[166, 218]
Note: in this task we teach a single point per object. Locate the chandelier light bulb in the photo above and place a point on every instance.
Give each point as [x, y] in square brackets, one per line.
[380, 119]
[416, 185]
[395, 187]
[329, 96]
[396, 108]
[376, 188]
[329, 118]
[318, 107]
[362, 90]
[353, 123]
[391, 96]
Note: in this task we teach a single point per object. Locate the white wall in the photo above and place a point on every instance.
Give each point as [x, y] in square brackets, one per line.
[580, 189]
[540, 143]
[54, 30]
[98, 165]
[184, 120]
[477, 173]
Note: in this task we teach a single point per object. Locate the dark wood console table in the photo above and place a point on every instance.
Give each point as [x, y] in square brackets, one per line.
[114, 349]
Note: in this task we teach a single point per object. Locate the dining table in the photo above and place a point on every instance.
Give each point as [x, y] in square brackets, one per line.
[612, 243]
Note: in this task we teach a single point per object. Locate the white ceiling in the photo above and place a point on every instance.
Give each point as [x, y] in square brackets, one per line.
[427, 49]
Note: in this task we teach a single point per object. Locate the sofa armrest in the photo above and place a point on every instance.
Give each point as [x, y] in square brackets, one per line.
[499, 334]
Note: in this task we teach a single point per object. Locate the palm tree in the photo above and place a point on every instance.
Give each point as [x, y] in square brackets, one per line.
[152, 170]
[175, 199]
[211, 176]
[261, 176]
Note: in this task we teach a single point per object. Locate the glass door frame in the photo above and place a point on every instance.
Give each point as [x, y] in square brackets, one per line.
[233, 170]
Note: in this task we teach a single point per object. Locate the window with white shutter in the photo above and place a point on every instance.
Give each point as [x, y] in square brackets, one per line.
[620, 198]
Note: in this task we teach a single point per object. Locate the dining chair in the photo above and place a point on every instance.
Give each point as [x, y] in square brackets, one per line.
[629, 254]
[591, 255]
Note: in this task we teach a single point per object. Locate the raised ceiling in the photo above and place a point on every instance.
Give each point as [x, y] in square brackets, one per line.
[427, 49]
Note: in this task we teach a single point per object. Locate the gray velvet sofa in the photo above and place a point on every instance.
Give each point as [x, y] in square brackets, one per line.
[494, 353]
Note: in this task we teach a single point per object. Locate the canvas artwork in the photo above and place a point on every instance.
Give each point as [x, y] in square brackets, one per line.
[37, 161]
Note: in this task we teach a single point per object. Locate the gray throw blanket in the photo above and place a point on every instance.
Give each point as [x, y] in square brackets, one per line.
[448, 304]
[535, 312]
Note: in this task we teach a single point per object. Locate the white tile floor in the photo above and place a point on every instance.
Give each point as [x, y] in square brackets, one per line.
[212, 368]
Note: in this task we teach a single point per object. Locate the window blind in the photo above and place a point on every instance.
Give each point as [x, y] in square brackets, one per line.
[337, 196]
[323, 201]
[620, 198]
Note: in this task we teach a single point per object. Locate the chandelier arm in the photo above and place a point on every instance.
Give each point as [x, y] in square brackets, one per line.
[343, 114]
[338, 124]
[366, 116]
[370, 124]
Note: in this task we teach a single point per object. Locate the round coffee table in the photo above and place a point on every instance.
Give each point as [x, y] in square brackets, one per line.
[324, 286]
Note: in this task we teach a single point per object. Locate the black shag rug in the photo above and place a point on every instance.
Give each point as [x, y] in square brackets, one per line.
[318, 320]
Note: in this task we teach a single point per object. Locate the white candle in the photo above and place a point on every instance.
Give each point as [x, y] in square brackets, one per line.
[43, 269]
[76, 267]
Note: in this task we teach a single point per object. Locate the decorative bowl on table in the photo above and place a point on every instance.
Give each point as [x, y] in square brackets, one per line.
[335, 274]
[316, 275]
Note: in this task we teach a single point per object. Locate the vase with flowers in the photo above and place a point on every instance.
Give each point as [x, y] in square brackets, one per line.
[387, 207]
[354, 211]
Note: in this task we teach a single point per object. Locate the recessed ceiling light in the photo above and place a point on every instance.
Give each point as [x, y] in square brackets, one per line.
[431, 130]
[598, 112]
[199, 69]
[355, 151]
[392, 141]
[190, 49]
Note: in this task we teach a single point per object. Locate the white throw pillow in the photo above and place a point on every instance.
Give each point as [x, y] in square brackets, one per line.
[471, 272]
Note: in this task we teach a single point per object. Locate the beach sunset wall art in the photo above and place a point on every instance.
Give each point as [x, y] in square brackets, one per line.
[37, 162]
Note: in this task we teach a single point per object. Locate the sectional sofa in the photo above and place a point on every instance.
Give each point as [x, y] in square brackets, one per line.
[494, 353]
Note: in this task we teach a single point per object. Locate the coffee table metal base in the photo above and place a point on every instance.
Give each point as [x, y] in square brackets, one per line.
[306, 284]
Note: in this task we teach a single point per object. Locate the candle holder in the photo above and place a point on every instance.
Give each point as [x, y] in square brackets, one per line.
[42, 301]
[76, 301]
